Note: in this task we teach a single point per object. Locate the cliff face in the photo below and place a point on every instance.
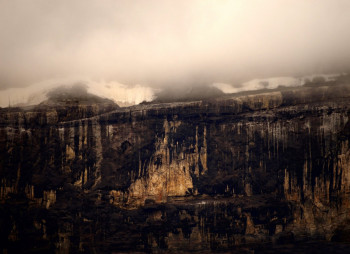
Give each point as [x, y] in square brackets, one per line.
[215, 174]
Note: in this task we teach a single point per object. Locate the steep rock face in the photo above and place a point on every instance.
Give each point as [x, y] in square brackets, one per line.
[222, 172]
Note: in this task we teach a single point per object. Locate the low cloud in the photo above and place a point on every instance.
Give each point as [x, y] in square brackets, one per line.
[171, 43]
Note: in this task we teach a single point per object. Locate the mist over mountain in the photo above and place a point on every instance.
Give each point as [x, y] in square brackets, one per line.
[35, 94]
[88, 91]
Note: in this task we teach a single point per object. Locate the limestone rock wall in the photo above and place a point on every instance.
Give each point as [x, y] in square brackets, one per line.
[292, 146]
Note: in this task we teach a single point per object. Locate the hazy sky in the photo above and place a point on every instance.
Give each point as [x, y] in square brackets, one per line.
[170, 42]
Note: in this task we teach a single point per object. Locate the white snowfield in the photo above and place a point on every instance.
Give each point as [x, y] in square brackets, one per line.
[121, 94]
[272, 83]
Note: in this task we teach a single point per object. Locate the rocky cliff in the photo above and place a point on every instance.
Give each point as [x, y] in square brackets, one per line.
[222, 174]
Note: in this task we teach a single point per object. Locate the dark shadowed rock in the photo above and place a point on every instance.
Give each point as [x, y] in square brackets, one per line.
[236, 173]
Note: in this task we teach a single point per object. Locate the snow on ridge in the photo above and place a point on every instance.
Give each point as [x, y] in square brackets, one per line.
[272, 83]
[37, 93]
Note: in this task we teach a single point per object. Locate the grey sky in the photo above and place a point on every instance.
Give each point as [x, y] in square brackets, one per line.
[170, 42]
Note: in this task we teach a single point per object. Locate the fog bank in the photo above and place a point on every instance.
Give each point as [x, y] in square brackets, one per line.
[171, 43]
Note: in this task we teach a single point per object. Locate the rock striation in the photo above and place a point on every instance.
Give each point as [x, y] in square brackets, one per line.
[217, 174]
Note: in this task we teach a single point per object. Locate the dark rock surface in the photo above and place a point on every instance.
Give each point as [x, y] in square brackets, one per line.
[265, 172]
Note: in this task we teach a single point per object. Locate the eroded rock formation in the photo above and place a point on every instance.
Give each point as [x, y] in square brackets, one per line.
[216, 174]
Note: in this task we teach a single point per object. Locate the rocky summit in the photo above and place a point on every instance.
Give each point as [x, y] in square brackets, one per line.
[257, 172]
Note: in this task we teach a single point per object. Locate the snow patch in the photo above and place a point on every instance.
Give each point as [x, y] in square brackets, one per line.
[122, 93]
[272, 83]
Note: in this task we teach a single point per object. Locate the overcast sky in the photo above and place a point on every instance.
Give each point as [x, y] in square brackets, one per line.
[170, 42]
